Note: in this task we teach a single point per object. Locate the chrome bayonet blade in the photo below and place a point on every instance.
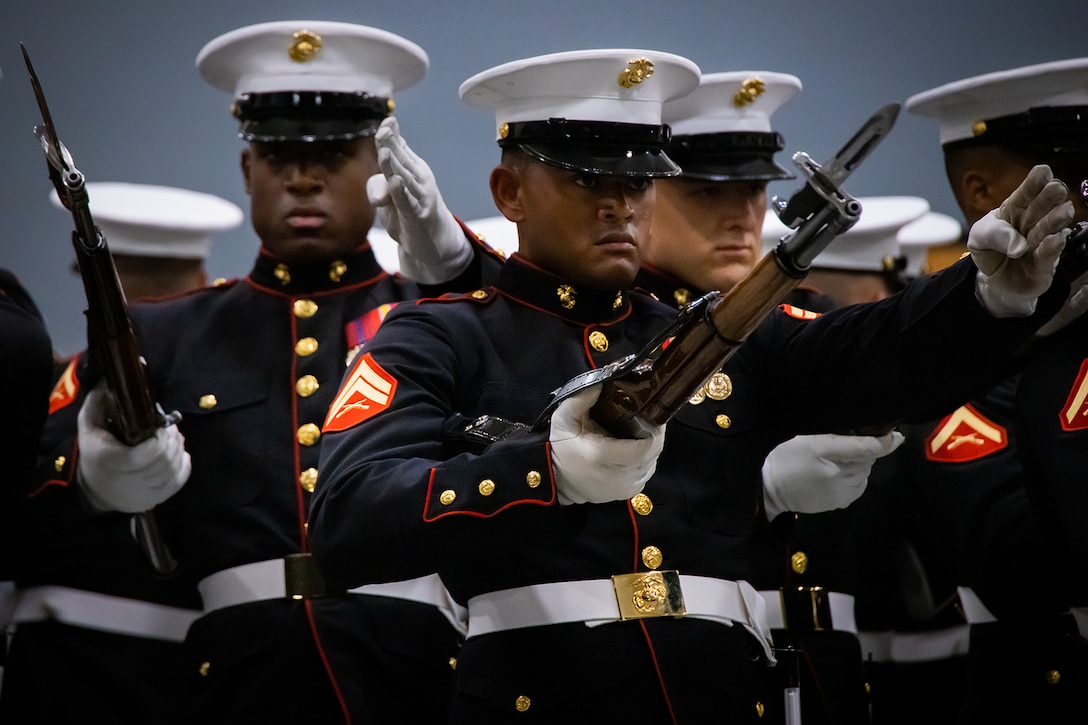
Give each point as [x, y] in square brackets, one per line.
[861, 144]
[47, 133]
[62, 169]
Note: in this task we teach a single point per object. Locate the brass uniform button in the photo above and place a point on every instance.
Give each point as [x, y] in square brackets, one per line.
[487, 487]
[799, 562]
[306, 346]
[682, 296]
[533, 479]
[651, 557]
[1053, 677]
[522, 703]
[598, 341]
[282, 273]
[207, 402]
[719, 387]
[336, 270]
[723, 421]
[759, 709]
[219, 281]
[700, 396]
[566, 293]
[306, 386]
[204, 667]
[308, 479]
[642, 504]
[308, 434]
[447, 497]
[304, 308]
[479, 294]
[868, 689]
[58, 464]
[453, 663]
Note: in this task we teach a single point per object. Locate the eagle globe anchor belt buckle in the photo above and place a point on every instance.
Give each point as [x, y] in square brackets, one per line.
[649, 594]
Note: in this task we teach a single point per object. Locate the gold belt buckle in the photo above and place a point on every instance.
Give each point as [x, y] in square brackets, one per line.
[301, 578]
[806, 609]
[649, 594]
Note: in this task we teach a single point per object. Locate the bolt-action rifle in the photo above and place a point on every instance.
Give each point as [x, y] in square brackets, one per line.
[112, 348]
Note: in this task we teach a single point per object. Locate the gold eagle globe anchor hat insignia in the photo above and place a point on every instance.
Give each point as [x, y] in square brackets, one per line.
[596, 111]
[722, 130]
[309, 80]
[1041, 109]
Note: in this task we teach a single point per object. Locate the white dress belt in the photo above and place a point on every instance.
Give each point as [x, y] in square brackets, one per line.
[906, 647]
[267, 580]
[593, 602]
[103, 612]
[974, 611]
[841, 605]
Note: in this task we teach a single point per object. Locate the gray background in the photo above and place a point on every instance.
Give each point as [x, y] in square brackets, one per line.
[129, 104]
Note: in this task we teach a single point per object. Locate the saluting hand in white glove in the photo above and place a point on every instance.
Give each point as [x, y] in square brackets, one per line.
[814, 473]
[432, 246]
[132, 479]
[590, 465]
[1016, 246]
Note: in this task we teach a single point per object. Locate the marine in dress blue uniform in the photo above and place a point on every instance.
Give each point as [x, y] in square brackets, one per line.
[91, 617]
[26, 358]
[252, 366]
[397, 476]
[993, 129]
[807, 562]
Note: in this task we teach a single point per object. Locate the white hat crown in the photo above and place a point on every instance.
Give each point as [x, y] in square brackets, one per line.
[870, 243]
[622, 85]
[158, 221]
[311, 55]
[962, 107]
[731, 101]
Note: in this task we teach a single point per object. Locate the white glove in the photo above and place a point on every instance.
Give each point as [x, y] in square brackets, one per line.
[1016, 246]
[432, 247]
[116, 477]
[814, 473]
[1075, 306]
[590, 465]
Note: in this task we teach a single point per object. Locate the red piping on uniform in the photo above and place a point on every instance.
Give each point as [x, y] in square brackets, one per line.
[657, 669]
[642, 623]
[325, 661]
[815, 678]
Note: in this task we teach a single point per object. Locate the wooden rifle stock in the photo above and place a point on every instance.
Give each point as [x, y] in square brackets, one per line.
[648, 396]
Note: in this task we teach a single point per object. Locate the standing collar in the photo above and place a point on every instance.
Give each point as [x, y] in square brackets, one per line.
[668, 289]
[351, 270]
[523, 281]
